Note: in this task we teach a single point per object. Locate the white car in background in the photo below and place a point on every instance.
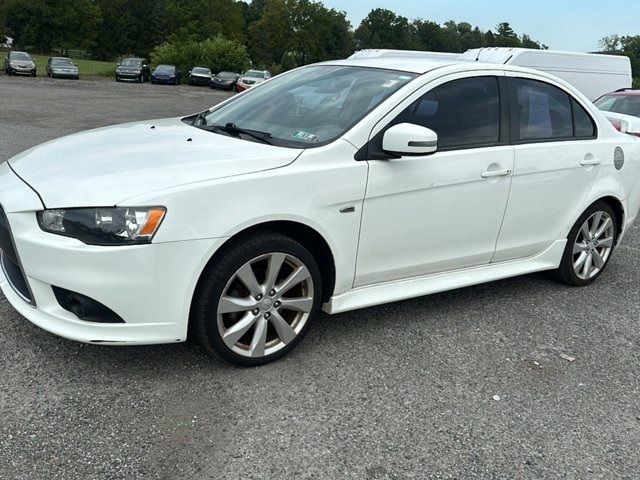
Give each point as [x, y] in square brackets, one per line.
[235, 225]
[250, 79]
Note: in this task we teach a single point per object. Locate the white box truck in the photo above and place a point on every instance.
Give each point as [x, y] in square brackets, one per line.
[593, 74]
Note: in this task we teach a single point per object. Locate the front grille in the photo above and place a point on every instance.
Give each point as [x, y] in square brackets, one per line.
[11, 262]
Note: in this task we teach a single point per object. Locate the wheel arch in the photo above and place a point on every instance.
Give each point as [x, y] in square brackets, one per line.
[618, 209]
[307, 236]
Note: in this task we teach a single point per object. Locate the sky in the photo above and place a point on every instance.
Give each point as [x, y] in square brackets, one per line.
[573, 25]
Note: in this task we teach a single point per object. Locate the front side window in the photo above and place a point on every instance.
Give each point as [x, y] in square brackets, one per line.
[310, 106]
[464, 113]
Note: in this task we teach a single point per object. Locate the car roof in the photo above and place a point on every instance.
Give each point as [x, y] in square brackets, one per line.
[60, 58]
[627, 92]
[18, 51]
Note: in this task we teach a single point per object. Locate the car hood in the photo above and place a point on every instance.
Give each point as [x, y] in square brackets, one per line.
[106, 166]
[22, 63]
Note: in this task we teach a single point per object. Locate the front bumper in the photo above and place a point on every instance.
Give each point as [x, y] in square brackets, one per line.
[149, 286]
[222, 85]
[163, 81]
[74, 75]
[129, 75]
[22, 71]
[200, 81]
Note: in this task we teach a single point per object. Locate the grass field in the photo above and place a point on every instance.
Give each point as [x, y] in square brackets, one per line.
[86, 67]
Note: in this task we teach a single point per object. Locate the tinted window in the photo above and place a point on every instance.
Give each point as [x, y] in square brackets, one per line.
[583, 123]
[464, 112]
[543, 111]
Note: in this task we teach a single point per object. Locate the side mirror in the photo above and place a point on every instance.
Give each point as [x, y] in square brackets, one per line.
[118, 65]
[410, 139]
[189, 72]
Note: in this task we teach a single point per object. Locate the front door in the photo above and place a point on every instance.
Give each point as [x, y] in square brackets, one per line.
[441, 212]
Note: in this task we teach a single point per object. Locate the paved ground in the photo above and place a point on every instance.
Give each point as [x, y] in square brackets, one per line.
[395, 392]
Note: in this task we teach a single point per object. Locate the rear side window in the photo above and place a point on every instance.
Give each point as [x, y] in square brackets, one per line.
[464, 113]
[547, 113]
[543, 112]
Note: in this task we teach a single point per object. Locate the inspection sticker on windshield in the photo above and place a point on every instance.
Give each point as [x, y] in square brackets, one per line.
[305, 137]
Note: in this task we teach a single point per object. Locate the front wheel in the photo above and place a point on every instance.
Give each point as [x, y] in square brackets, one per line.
[257, 301]
[589, 246]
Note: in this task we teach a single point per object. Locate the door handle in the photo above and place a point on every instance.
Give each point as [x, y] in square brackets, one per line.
[589, 162]
[496, 173]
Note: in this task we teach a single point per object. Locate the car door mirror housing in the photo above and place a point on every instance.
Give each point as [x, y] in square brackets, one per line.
[410, 139]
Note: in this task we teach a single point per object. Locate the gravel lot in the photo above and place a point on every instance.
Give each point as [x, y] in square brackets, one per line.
[469, 383]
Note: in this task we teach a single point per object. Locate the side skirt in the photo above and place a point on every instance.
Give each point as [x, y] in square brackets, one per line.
[382, 293]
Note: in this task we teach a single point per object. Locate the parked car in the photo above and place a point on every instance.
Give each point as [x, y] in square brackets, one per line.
[167, 75]
[200, 76]
[133, 69]
[19, 63]
[251, 78]
[625, 101]
[225, 80]
[62, 67]
[400, 177]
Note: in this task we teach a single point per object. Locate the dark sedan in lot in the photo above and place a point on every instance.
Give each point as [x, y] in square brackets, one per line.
[19, 63]
[166, 75]
[62, 67]
[133, 69]
[225, 80]
[200, 76]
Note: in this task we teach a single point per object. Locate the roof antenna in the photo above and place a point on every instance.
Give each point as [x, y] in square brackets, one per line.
[479, 52]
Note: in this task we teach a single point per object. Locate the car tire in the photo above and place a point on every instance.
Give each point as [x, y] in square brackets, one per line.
[259, 326]
[175, 82]
[590, 245]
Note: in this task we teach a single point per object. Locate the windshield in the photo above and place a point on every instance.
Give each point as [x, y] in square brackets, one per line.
[226, 75]
[625, 104]
[201, 70]
[310, 106]
[165, 68]
[254, 74]
[129, 62]
[19, 56]
[61, 61]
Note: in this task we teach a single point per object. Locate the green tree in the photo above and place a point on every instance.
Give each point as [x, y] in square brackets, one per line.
[215, 53]
[48, 24]
[505, 36]
[384, 29]
[429, 35]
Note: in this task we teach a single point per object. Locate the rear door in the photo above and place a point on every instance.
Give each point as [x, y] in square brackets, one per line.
[557, 160]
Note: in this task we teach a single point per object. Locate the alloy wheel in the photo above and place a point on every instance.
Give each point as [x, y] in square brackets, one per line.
[593, 245]
[265, 305]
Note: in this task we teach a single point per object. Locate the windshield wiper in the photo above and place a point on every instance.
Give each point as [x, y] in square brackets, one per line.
[232, 128]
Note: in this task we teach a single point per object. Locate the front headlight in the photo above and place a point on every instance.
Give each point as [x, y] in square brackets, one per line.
[104, 226]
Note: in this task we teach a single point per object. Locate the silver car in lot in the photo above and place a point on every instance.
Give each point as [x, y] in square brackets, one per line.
[62, 67]
[19, 63]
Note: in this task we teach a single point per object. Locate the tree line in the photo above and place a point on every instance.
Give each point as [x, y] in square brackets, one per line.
[276, 34]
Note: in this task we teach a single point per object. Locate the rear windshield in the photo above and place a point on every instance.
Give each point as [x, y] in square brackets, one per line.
[625, 104]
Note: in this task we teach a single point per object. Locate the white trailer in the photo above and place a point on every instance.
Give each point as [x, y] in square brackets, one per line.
[593, 74]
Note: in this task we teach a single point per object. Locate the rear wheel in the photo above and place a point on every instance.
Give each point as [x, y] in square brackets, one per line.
[590, 245]
[257, 301]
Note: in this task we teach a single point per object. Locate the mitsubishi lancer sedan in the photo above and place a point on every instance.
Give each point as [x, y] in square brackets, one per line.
[332, 187]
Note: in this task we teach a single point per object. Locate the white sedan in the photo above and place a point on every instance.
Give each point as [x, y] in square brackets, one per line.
[395, 178]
